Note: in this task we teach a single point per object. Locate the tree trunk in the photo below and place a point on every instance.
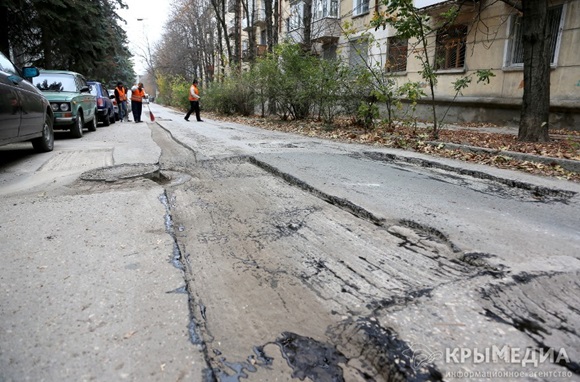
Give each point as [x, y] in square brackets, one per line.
[4, 41]
[269, 24]
[276, 27]
[219, 7]
[537, 56]
[307, 19]
[238, 36]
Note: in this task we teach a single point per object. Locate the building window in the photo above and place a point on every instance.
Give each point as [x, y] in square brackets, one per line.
[450, 47]
[263, 38]
[296, 16]
[360, 7]
[396, 54]
[515, 49]
[358, 52]
[324, 8]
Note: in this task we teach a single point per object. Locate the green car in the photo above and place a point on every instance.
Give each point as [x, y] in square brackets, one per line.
[71, 101]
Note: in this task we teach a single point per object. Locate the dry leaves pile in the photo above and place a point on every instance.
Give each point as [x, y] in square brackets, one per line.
[564, 144]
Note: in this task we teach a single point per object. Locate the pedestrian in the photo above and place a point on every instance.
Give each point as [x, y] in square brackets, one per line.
[137, 101]
[121, 97]
[193, 101]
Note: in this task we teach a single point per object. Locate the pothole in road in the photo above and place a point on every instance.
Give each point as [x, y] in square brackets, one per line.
[121, 172]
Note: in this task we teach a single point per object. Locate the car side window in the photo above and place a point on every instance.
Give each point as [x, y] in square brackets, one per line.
[7, 66]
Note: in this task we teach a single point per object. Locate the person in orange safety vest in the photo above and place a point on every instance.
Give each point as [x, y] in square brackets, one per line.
[137, 101]
[121, 98]
[193, 101]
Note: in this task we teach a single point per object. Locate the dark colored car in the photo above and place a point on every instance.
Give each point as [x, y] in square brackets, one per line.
[25, 114]
[71, 100]
[105, 108]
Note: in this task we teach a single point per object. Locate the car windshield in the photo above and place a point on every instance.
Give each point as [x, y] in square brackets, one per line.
[55, 82]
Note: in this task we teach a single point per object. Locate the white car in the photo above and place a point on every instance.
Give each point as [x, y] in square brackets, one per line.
[115, 106]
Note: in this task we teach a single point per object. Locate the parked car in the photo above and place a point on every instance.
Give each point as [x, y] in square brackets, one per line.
[105, 110]
[25, 114]
[71, 100]
[114, 101]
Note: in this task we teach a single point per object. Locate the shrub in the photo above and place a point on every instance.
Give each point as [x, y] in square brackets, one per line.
[232, 96]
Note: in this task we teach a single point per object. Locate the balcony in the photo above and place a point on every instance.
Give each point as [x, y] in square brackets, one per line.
[258, 20]
[232, 6]
[260, 17]
[245, 26]
[295, 35]
[260, 51]
[231, 28]
[326, 30]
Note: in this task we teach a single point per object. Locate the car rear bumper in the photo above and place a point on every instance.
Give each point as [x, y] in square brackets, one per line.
[102, 114]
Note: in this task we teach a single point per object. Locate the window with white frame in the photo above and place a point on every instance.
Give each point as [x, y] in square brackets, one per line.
[358, 52]
[360, 7]
[324, 8]
[296, 16]
[515, 49]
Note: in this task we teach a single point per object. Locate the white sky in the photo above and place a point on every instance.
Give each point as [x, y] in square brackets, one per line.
[154, 14]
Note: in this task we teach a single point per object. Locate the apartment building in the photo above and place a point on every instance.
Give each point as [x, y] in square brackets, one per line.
[486, 34]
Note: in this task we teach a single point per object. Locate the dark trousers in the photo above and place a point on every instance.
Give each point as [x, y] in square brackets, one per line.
[136, 107]
[193, 106]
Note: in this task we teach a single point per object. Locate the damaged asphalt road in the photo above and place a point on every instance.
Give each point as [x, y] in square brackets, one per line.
[299, 263]
[278, 270]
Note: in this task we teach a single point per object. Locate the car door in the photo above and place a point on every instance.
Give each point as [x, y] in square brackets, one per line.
[10, 109]
[32, 108]
[106, 99]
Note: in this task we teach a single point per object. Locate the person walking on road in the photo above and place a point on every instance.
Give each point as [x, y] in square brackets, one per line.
[193, 101]
[137, 94]
[121, 97]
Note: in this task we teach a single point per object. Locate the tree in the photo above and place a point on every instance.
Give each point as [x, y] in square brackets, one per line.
[537, 57]
[535, 110]
[536, 41]
[79, 35]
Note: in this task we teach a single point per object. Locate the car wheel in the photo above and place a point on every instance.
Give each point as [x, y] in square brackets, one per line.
[112, 117]
[46, 142]
[92, 125]
[77, 130]
[107, 120]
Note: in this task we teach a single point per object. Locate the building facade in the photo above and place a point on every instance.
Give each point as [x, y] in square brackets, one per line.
[485, 35]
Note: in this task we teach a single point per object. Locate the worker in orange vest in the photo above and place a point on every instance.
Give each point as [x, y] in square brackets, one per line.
[137, 94]
[193, 101]
[121, 98]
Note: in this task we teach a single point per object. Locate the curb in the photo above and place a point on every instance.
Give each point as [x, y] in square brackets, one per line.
[567, 164]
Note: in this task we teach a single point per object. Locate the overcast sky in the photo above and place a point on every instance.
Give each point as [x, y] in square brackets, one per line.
[154, 14]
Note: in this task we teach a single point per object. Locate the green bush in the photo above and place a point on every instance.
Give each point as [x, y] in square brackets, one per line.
[232, 96]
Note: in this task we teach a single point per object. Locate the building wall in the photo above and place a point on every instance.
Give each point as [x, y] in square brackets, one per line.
[487, 42]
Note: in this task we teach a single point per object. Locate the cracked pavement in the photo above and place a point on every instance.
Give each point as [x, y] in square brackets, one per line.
[260, 255]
